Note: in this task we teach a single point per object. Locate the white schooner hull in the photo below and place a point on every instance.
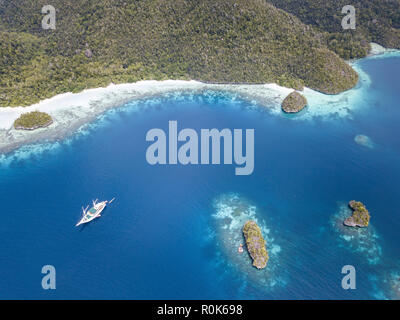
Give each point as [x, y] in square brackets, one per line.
[92, 213]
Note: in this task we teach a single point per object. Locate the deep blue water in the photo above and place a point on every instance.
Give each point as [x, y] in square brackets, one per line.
[162, 239]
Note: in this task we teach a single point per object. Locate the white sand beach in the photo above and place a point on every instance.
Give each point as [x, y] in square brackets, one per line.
[70, 111]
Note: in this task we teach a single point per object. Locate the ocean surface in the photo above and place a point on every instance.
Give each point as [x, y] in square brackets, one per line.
[173, 230]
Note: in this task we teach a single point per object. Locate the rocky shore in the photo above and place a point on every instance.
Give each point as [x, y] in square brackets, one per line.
[364, 141]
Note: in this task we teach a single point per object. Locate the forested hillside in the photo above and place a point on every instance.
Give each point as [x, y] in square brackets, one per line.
[97, 42]
[376, 20]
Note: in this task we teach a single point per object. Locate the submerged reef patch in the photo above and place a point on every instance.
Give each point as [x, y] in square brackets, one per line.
[393, 285]
[364, 141]
[386, 287]
[231, 212]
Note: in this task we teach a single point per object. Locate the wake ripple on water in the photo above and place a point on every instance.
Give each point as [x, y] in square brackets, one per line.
[231, 213]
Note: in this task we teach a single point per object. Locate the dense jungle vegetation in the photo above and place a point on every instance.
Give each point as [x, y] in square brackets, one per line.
[98, 42]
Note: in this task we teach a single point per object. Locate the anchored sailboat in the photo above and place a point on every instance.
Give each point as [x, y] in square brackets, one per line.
[94, 212]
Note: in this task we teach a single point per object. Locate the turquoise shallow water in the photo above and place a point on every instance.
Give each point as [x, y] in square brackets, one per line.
[173, 231]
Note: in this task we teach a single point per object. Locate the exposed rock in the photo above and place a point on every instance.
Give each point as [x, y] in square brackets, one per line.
[88, 53]
[255, 244]
[360, 217]
[294, 102]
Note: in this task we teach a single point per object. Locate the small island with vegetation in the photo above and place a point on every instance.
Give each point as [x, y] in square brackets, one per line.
[33, 120]
[294, 102]
[255, 244]
[360, 216]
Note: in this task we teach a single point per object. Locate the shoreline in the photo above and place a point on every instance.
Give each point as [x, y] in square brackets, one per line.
[378, 50]
[70, 111]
